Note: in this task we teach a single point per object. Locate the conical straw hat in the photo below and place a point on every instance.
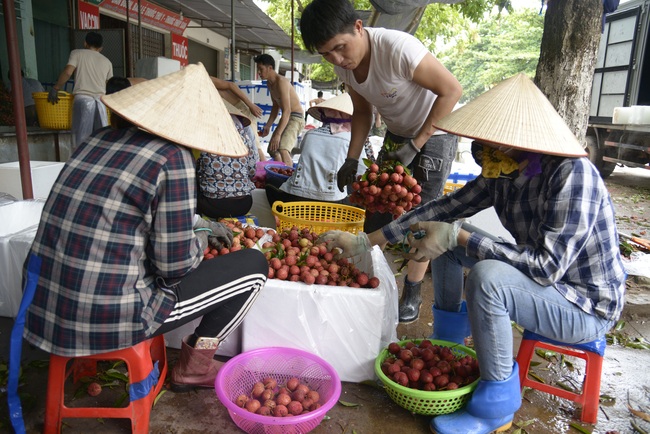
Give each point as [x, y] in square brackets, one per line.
[514, 113]
[183, 107]
[342, 103]
[245, 120]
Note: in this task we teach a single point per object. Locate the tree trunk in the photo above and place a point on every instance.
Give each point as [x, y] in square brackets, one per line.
[567, 59]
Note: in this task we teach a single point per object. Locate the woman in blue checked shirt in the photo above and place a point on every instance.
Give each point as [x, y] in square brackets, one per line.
[118, 256]
[562, 279]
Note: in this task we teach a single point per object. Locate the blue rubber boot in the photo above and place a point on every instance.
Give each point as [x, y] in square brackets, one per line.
[491, 408]
[451, 326]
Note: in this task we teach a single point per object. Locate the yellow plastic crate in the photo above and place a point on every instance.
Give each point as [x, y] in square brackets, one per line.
[451, 186]
[54, 116]
[318, 216]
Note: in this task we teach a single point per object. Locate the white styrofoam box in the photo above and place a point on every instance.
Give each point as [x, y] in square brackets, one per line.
[347, 327]
[19, 224]
[622, 115]
[262, 209]
[20, 215]
[44, 173]
[230, 347]
[488, 220]
[640, 115]
[154, 67]
[6, 198]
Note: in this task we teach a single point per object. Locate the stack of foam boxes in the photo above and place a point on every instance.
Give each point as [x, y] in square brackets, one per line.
[258, 93]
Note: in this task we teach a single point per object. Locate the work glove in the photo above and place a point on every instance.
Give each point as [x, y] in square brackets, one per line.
[428, 240]
[405, 154]
[202, 236]
[53, 96]
[348, 244]
[347, 173]
[218, 235]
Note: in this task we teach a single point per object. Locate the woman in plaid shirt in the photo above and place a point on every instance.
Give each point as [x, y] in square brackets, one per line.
[563, 278]
[119, 245]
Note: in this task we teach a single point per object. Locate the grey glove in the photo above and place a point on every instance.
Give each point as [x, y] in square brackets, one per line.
[438, 238]
[347, 173]
[202, 236]
[405, 154]
[348, 244]
[218, 235]
[53, 96]
[221, 236]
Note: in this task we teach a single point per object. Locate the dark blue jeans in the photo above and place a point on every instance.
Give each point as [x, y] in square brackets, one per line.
[431, 167]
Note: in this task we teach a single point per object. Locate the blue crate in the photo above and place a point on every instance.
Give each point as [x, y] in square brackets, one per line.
[457, 177]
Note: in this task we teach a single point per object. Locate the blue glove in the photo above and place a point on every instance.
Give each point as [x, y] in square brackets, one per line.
[53, 96]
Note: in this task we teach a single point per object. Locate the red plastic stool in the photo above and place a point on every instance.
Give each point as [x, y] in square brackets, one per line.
[146, 363]
[591, 352]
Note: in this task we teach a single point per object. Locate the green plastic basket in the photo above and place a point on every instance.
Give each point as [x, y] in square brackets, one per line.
[427, 403]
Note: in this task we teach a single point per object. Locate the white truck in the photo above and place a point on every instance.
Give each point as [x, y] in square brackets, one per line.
[621, 82]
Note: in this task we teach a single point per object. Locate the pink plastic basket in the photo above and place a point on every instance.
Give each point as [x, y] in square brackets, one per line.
[241, 372]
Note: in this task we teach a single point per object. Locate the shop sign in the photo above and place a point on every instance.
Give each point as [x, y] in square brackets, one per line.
[88, 16]
[150, 14]
[179, 49]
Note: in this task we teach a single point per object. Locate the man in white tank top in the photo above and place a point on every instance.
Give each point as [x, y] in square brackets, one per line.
[411, 90]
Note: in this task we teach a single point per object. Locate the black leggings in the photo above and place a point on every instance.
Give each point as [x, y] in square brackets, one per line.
[224, 208]
[222, 290]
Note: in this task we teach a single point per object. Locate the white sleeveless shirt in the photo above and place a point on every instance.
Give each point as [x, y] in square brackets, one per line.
[403, 104]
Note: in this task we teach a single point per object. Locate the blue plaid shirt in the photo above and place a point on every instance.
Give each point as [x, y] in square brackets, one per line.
[563, 223]
[119, 215]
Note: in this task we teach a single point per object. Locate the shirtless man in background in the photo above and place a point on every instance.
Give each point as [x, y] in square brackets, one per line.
[284, 98]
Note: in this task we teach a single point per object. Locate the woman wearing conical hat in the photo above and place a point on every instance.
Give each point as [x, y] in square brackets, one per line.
[563, 278]
[322, 151]
[119, 254]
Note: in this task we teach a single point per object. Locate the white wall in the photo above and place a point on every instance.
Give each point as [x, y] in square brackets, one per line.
[206, 37]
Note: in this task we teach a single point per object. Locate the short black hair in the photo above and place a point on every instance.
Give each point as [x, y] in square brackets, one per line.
[94, 39]
[324, 19]
[116, 84]
[265, 59]
[320, 93]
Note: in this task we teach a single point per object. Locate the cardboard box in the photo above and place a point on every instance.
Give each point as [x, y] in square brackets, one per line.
[44, 173]
[347, 327]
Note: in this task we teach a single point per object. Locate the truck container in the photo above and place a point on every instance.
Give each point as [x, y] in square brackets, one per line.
[619, 118]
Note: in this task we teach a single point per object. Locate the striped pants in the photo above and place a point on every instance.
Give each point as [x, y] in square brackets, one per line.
[222, 290]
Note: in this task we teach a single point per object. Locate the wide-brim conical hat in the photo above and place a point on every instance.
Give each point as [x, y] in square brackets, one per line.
[514, 113]
[245, 120]
[183, 107]
[342, 103]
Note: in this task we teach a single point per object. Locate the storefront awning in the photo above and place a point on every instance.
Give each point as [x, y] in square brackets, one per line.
[254, 30]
